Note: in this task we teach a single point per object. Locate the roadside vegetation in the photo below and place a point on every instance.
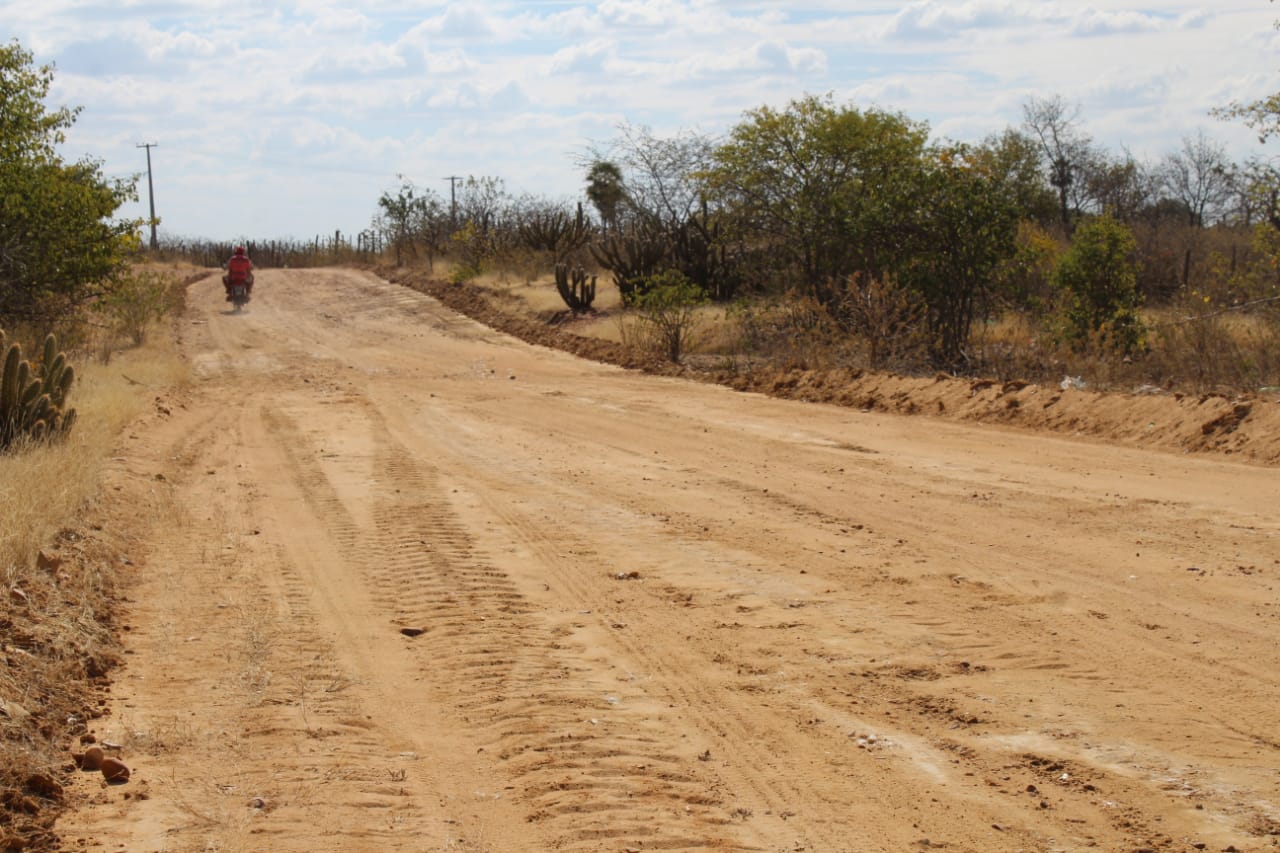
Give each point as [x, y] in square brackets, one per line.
[78, 361]
[825, 236]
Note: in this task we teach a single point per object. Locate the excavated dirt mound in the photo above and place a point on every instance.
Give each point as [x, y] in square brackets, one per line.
[1248, 426]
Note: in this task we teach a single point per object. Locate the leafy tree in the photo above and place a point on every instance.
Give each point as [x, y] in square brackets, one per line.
[1255, 193]
[1015, 161]
[606, 192]
[483, 201]
[1263, 115]
[963, 231]
[1025, 280]
[1098, 278]
[58, 246]
[407, 219]
[1118, 187]
[816, 188]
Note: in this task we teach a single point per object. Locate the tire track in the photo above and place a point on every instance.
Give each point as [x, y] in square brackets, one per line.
[588, 771]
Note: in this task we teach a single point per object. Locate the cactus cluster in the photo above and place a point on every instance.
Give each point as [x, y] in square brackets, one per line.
[632, 257]
[33, 399]
[556, 232]
[577, 291]
[695, 245]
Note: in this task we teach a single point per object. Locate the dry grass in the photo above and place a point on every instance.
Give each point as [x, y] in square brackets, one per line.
[56, 609]
[42, 487]
[1228, 353]
[540, 298]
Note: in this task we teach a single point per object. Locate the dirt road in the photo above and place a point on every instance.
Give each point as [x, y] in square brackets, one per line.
[651, 614]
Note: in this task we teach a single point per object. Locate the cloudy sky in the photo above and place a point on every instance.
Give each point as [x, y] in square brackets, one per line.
[292, 121]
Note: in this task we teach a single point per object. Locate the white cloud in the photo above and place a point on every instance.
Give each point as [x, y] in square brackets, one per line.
[939, 20]
[766, 57]
[461, 21]
[324, 91]
[590, 58]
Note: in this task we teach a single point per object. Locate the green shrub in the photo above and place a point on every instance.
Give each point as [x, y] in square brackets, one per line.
[1099, 283]
[667, 306]
[136, 301]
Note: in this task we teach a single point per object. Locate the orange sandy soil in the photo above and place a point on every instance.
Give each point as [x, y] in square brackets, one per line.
[649, 613]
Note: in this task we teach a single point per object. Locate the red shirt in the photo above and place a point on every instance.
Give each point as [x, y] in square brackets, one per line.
[238, 268]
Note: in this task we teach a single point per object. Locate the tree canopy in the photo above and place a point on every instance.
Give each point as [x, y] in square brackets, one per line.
[59, 246]
[819, 184]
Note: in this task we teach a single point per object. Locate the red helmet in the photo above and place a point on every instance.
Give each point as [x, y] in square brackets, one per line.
[239, 250]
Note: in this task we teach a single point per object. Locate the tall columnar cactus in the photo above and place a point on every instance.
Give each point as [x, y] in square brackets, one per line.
[33, 401]
[576, 291]
[632, 257]
[556, 232]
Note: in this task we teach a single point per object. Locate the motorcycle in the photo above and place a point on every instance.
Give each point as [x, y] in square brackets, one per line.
[238, 292]
[238, 295]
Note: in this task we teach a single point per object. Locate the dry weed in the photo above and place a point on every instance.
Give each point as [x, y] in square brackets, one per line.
[59, 573]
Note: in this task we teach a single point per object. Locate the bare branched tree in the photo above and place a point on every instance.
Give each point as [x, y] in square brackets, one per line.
[1067, 150]
[1200, 176]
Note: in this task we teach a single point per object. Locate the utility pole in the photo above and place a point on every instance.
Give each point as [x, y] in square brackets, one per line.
[151, 193]
[453, 200]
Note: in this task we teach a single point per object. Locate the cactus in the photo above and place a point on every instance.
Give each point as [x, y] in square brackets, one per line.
[32, 402]
[575, 290]
[632, 258]
[556, 232]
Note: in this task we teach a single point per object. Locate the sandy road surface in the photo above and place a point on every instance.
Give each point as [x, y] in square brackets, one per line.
[660, 615]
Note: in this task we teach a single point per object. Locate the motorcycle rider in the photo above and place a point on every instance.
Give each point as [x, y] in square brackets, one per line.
[239, 271]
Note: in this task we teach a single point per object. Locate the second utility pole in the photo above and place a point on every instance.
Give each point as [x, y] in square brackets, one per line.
[453, 200]
[151, 193]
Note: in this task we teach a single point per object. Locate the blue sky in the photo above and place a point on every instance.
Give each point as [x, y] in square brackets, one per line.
[290, 122]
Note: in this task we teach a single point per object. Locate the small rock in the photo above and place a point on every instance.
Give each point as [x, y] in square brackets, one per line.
[114, 771]
[628, 576]
[257, 803]
[413, 631]
[92, 758]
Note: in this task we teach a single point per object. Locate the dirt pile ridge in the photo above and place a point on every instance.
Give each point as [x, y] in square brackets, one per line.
[1247, 426]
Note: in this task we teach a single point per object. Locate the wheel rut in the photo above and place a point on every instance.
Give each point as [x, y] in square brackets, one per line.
[585, 769]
